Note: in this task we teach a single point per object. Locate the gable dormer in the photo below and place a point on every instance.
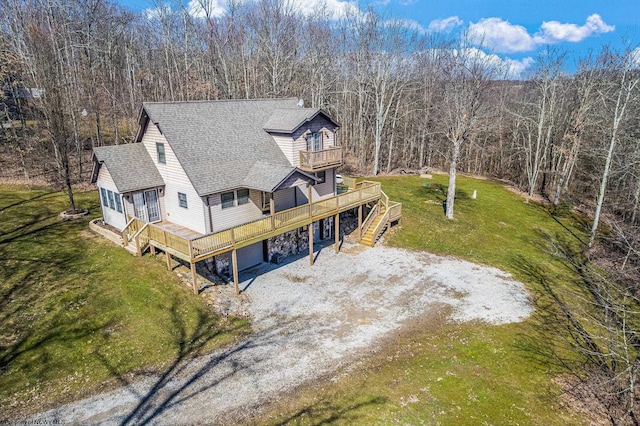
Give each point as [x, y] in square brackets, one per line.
[307, 137]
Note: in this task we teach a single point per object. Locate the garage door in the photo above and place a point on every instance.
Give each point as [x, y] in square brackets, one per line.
[249, 256]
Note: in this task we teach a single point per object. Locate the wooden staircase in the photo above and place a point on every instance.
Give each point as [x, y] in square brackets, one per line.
[369, 238]
[380, 217]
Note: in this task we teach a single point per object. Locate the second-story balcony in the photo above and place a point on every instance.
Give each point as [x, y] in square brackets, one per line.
[314, 161]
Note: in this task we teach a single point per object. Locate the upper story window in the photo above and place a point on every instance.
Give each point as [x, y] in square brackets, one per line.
[228, 199]
[314, 142]
[182, 200]
[243, 196]
[160, 150]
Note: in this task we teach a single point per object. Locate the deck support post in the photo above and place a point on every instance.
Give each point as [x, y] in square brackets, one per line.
[234, 265]
[311, 244]
[168, 256]
[152, 249]
[359, 222]
[336, 231]
[272, 211]
[138, 250]
[194, 283]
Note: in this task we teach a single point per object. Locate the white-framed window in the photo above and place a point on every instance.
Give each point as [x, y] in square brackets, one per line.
[182, 200]
[314, 142]
[118, 201]
[322, 176]
[111, 199]
[160, 150]
[105, 200]
[112, 203]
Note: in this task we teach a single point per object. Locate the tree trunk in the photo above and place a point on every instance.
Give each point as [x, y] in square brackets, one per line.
[451, 190]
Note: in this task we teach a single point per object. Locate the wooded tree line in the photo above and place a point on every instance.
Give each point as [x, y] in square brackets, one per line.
[406, 100]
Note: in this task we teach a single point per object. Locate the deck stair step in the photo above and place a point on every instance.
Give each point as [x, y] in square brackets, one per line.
[368, 238]
[131, 249]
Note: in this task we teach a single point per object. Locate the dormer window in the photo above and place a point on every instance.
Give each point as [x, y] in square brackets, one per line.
[314, 142]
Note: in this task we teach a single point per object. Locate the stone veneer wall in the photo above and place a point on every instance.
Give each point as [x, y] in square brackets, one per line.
[287, 244]
[291, 243]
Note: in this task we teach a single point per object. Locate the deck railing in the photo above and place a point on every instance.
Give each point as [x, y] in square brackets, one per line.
[395, 211]
[315, 160]
[199, 248]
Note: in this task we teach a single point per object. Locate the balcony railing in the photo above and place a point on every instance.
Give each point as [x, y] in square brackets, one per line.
[312, 161]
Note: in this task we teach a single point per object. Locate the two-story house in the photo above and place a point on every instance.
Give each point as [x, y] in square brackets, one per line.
[240, 181]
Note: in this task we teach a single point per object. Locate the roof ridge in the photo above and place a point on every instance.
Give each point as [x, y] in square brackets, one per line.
[220, 101]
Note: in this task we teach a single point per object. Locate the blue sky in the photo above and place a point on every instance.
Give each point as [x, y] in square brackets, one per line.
[514, 30]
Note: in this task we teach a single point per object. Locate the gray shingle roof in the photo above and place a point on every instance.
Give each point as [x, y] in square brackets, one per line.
[130, 166]
[288, 120]
[218, 142]
[267, 177]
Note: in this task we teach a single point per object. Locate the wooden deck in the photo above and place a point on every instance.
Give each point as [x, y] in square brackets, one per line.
[179, 230]
[193, 247]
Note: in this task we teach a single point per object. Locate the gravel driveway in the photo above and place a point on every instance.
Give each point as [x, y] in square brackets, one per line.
[308, 321]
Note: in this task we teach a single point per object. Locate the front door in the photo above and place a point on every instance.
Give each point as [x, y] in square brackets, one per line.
[153, 210]
[146, 205]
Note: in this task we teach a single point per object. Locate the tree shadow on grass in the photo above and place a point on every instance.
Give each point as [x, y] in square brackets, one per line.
[576, 329]
[29, 200]
[191, 372]
[327, 413]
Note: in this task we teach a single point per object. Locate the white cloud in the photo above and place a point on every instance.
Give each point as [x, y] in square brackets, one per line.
[335, 9]
[445, 25]
[501, 36]
[158, 12]
[202, 8]
[504, 37]
[634, 58]
[406, 23]
[517, 68]
[554, 31]
[504, 67]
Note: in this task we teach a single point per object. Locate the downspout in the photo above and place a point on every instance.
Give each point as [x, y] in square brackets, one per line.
[210, 217]
[124, 208]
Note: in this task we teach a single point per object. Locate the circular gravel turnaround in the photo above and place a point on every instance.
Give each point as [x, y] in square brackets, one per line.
[308, 321]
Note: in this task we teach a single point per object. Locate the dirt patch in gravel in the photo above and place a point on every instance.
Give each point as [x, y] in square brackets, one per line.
[305, 328]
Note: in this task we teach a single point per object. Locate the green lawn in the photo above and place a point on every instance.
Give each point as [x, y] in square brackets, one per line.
[78, 314]
[456, 374]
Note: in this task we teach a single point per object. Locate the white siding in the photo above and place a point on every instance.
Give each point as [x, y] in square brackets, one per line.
[285, 142]
[176, 180]
[110, 217]
[236, 215]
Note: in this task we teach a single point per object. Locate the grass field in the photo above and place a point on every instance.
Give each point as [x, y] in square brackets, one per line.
[78, 314]
[456, 374]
